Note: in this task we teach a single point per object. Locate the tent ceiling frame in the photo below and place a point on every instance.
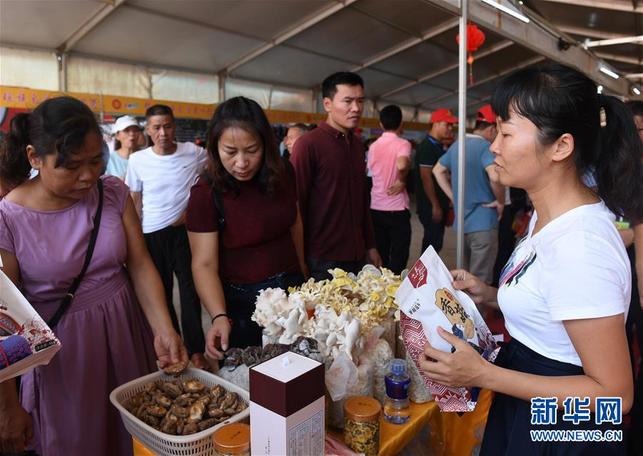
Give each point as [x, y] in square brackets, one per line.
[493, 77]
[539, 37]
[290, 32]
[613, 5]
[385, 21]
[190, 21]
[493, 49]
[414, 41]
[589, 32]
[610, 42]
[245, 35]
[394, 50]
[347, 62]
[619, 58]
[103, 11]
[428, 34]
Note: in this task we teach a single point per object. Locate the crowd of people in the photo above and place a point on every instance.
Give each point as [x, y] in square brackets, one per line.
[242, 214]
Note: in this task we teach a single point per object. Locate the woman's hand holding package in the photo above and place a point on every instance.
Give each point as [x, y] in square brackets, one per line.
[169, 348]
[464, 367]
[478, 291]
[216, 341]
[15, 428]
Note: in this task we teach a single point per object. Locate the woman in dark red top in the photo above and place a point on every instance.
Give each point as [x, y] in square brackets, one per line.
[252, 238]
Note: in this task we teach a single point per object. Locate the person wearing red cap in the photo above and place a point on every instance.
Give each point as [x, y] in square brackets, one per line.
[432, 203]
[483, 198]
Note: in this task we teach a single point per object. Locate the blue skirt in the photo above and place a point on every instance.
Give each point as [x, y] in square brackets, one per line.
[509, 423]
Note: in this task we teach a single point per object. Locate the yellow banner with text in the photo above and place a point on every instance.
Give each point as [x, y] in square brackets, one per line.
[24, 98]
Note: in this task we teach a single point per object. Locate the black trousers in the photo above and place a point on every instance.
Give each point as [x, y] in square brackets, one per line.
[392, 237]
[433, 232]
[634, 328]
[240, 305]
[319, 268]
[509, 424]
[170, 252]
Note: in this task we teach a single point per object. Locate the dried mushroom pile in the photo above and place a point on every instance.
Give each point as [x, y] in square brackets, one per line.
[183, 407]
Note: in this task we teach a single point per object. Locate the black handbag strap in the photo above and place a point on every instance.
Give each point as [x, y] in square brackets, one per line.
[218, 204]
[66, 301]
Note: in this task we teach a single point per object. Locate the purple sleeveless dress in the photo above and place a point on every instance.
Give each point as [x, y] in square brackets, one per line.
[105, 338]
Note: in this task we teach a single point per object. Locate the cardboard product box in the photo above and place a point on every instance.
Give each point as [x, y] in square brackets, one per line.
[287, 407]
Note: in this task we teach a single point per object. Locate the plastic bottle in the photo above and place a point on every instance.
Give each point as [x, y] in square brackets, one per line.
[396, 407]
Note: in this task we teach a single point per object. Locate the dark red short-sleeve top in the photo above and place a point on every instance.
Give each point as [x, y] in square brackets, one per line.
[257, 243]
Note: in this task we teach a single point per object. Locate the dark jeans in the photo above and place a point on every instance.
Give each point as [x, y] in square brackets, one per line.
[240, 305]
[509, 422]
[319, 268]
[433, 232]
[392, 237]
[170, 252]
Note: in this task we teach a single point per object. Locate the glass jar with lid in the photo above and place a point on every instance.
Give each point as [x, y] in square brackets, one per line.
[362, 424]
[232, 440]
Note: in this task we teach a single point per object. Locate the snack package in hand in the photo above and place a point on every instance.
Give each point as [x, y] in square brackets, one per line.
[25, 339]
[427, 300]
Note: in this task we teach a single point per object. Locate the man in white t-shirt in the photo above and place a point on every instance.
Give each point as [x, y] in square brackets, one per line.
[160, 178]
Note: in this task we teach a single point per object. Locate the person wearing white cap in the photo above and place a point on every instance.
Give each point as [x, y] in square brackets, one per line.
[127, 131]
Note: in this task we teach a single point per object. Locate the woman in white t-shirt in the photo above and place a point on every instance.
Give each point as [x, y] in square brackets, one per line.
[566, 289]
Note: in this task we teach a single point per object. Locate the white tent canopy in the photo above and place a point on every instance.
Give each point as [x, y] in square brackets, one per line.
[276, 51]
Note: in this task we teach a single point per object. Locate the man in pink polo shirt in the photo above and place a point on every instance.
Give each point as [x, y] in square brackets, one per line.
[389, 160]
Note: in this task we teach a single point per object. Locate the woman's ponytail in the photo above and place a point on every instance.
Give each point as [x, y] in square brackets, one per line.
[618, 159]
[14, 164]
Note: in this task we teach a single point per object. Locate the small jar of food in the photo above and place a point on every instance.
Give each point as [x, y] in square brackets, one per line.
[232, 440]
[362, 424]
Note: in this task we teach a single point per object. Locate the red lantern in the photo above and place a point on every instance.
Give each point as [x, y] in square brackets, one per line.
[475, 39]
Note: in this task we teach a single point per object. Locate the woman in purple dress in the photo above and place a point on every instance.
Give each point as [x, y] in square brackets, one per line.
[117, 322]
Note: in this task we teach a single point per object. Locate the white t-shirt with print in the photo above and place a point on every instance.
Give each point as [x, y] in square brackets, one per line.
[165, 182]
[575, 267]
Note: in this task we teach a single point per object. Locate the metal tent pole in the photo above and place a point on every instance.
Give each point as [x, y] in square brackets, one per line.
[462, 119]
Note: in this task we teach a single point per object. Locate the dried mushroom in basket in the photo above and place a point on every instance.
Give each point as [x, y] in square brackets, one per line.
[183, 407]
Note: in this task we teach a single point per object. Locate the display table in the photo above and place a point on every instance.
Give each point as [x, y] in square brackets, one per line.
[393, 437]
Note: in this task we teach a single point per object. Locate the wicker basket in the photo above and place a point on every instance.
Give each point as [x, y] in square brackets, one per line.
[199, 444]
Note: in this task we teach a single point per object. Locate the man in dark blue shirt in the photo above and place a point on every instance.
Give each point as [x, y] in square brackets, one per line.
[432, 203]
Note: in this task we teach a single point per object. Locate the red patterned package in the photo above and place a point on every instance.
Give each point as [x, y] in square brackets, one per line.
[25, 339]
[427, 300]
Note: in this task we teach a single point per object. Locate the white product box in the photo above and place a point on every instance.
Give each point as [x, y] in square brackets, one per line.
[287, 407]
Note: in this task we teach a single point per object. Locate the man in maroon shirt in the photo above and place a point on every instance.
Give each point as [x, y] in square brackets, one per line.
[331, 183]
